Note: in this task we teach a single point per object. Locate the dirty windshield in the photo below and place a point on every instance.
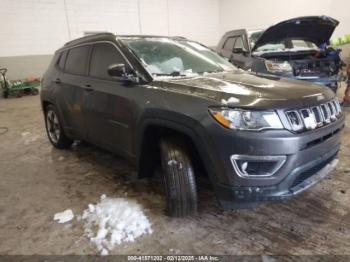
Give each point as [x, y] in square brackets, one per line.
[176, 57]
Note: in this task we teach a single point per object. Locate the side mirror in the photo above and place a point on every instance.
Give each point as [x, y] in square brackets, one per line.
[120, 73]
[117, 71]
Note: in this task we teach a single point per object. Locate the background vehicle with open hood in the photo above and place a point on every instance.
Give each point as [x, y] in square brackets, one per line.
[297, 48]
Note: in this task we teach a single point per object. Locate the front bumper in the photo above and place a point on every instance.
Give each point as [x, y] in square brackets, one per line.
[300, 180]
[310, 157]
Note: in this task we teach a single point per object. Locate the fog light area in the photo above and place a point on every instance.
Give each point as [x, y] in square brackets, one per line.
[257, 166]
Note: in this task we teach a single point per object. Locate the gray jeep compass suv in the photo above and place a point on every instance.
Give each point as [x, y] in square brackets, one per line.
[173, 103]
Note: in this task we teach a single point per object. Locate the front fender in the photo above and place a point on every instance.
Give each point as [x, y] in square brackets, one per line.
[185, 125]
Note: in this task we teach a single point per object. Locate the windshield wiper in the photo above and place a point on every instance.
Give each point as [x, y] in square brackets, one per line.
[211, 72]
[175, 73]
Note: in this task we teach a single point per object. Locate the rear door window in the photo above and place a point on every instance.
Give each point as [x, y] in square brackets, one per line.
[103, 56]
[77, 60]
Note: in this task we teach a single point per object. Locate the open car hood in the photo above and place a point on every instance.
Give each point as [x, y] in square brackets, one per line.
[316, 29]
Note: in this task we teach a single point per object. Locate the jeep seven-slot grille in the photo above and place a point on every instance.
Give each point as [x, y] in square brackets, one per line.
[314, 117]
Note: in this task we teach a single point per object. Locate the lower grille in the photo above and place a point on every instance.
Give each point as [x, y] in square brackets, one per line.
[310, 172]
[321, 139]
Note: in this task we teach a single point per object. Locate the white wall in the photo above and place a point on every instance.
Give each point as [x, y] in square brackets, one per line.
[253, 14]
[37, 27]
[31, 30]
[31, 27]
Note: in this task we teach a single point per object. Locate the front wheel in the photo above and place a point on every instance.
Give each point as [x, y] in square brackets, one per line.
[180, 183]
[54, 129]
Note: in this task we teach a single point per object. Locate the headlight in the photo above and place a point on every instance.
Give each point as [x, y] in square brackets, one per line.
[246, 120]
[276, 66]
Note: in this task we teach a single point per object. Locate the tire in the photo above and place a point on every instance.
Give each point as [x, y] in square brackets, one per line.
[179, 179]
[6, 94]
[54, 129]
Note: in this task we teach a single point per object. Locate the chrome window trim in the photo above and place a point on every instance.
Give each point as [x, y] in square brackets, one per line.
[99, 42]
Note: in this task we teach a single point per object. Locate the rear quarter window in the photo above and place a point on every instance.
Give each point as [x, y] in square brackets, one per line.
[77, 60]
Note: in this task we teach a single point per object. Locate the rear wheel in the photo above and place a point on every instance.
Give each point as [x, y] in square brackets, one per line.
[54, 129]
[179, 179]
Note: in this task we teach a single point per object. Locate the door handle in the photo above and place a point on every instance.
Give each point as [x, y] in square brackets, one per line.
[87, 88]
[57, 81]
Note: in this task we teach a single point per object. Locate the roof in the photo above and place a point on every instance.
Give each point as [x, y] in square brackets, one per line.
[235, 32]
[88, 38]
[152, 36]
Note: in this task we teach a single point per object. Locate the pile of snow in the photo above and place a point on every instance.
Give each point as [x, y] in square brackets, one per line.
[64, 216]
[113, 221]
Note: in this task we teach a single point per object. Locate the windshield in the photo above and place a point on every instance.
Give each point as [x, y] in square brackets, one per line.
[285, 45]
[176, 57]
[254, 36]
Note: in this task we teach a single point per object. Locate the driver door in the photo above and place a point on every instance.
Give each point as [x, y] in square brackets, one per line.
[108, 105]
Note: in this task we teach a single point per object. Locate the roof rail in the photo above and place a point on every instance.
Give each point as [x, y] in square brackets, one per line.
[179, 37]
[88, 37]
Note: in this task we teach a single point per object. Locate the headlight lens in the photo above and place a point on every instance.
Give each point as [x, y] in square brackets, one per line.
[276, 66]
[246, 120]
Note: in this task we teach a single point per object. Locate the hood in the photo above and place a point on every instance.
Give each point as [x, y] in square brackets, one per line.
[250, 90]
[316, 29]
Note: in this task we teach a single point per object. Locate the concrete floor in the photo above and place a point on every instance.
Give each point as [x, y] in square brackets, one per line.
[37, 181]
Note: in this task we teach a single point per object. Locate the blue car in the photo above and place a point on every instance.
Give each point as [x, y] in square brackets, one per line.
[296, 48]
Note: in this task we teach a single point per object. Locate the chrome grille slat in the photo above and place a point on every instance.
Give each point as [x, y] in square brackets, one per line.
[332, 111]
[335, 107]
[318, 115]
[314, 117]
[326, 114]
[295, 120]
[308, 118]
